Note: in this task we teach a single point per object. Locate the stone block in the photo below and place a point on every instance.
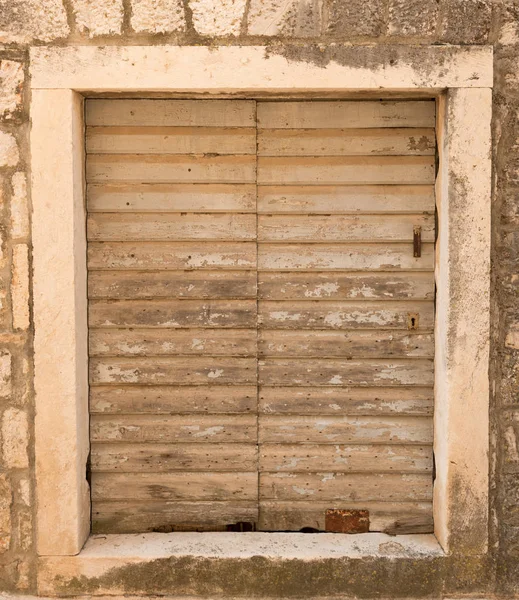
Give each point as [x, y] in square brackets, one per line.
[355, 17]
[413, 17]
[15, 438]
[6, 498]
[512, 337]
[466, 21]
[103, 17]
[20, 286]
[5, 374]
[11, 87]
[19, 207]
[9, 155]
[298, 18]
[218, 17]
[158, 16]
[23, 21]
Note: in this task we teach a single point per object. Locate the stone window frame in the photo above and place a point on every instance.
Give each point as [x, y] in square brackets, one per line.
[460, 78]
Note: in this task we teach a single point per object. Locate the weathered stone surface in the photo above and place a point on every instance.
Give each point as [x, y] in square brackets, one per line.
[158, 16]
[19, 207]
[355, 17]
[8, 150]
[5, 513]
[15, 437]
[413, 17]
[24, 491]
[98, 18]
[5, 374]
[20, 286]
[217, 17]
[298, 18]
[512, 337]
[11, 86]
[466, 21]
[23, 21]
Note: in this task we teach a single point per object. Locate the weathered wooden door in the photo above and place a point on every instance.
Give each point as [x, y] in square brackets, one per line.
[261, 312]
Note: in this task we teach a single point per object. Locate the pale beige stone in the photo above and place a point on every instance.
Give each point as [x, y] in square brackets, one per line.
[20, 286]
[11, 85]
[158, 16]
[9, 155]
[19, 207]
[218, 17]
[299, 18]
[6, 498]
[23, 21]
[5, 373]
[15, 437]
[103, 17]
[24, 491]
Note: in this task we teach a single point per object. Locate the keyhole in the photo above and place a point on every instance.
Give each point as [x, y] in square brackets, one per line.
[412, 321]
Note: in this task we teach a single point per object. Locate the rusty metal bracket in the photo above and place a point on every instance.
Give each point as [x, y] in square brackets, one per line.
[337, 520]
[417, 241]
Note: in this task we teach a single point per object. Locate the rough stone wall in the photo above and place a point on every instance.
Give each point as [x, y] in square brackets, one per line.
[297, 24]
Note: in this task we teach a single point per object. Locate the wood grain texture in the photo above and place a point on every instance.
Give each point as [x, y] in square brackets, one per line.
[346, 113]
[165, 399]
[319, 400]
[173, 227]
[172, 284]
[316, 314]
[345, 199]
[199, 429]
[171, 113]
[174, 198]
[296, 458]
[173, 370]
[292, 429]
[172, 314]
[171, 342]
[346, 142]
[172, 255]
[324, 170]
[163, 458]
[162, 168]
[340, 228]
[348, 257]
[179, 140]
[345, 286]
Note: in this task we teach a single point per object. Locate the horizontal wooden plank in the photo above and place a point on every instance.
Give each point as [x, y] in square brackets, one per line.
[172, 313]
[346, 401]
[337, 228]
[318, 314]
[172, 255]
[346, 142]
[353, 170]
[389, 517]
[171, 113]
[344, 487]
[346, 199]
[164, 399]
[345, 286]
[156, 342]
[174, 486]
[297, 458]
[171, 227]
[173, 371]
[205, 430]
[360, 344]
[312, 372]
[285, 429]
[181, 140]
[186, 168]
[348, 257]
[171, 284]
[145, 516]
[163, 458]
[164, 198]
[346, 113]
